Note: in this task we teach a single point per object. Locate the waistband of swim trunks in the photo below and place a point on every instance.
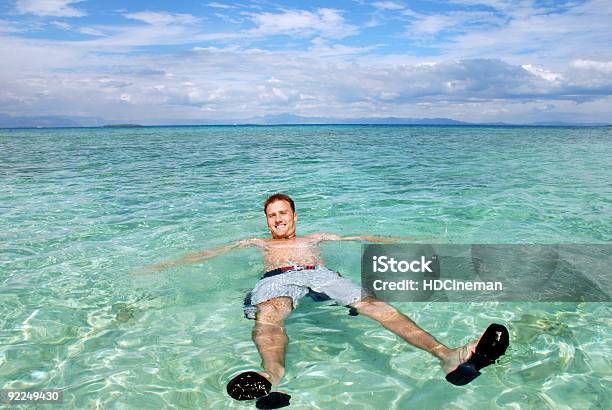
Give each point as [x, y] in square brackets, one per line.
[284, 269]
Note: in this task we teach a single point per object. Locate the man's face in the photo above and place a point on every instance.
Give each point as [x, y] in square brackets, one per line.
[281, 219]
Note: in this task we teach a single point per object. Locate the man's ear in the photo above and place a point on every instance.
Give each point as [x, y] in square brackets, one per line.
[295, 218]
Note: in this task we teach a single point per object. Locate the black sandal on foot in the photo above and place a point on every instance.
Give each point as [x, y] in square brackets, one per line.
[492, 345]
[248, 386]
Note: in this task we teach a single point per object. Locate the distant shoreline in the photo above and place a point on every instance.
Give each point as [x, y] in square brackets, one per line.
[121, 126]
[467, 125]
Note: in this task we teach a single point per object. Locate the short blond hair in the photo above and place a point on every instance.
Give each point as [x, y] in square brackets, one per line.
[279, 197]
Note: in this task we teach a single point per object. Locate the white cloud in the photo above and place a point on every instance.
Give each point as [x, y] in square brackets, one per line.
[321, 49]
[600, 66]
[432, 24]
[520, 33]
[161, 19]
[495, 4]
[543, 73]
[7, 26]
[61, 24]
[90, 31]
[388, 5]
[57, 8]
[229, 19]
[221, 5]
[300, 23]
[458, 21]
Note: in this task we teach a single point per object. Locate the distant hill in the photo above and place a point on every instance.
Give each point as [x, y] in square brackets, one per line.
[51, 121]
[286, 119]
[7, 121]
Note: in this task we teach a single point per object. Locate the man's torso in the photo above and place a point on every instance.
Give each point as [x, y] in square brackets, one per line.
[289, 252]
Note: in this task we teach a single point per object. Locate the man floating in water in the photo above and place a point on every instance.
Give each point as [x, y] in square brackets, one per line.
[294, 269]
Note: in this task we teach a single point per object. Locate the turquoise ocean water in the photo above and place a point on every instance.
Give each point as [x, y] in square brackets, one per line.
[83, 210]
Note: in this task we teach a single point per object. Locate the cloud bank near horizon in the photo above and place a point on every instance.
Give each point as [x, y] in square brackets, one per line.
[471, 60]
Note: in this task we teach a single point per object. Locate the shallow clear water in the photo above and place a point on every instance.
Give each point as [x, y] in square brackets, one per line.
[82, 210]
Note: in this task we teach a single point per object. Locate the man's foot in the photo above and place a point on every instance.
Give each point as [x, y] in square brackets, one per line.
[257, 385]
[249, 386]
[463, 365]
[273, 378]
[457, 356]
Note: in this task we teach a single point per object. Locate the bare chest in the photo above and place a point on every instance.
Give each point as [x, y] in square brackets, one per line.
[277, 255]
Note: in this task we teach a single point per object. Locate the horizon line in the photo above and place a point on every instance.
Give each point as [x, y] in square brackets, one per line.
[111, 126]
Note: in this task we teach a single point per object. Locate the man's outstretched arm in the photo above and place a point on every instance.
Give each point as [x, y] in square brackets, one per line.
[200, 255]
[370, 238]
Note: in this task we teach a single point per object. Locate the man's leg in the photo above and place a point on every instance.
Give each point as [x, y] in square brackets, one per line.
[270, 337]
[401, 325]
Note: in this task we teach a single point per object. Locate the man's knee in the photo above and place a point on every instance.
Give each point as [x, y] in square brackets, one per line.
[376, 309]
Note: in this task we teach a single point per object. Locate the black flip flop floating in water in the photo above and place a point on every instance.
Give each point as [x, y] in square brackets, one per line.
[252, 385]
[274, 400]
[492, 345]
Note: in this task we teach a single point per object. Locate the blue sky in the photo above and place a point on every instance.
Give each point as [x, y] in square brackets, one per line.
[158, 62]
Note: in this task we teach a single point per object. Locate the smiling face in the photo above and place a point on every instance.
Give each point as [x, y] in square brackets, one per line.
[281, 219]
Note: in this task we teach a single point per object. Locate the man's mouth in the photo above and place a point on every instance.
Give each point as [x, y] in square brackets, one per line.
[279, 226]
